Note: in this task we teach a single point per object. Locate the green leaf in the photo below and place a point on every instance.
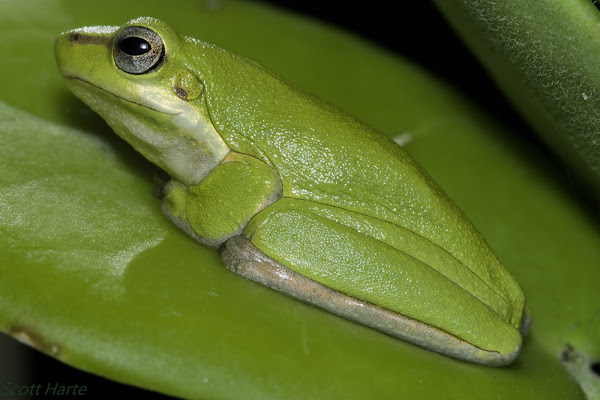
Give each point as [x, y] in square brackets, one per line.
[544, 54]
[92, 273]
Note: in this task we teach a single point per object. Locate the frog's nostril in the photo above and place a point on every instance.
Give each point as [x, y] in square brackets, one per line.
[75, 37]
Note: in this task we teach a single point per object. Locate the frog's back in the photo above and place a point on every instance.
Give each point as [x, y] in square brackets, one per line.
[326, 156]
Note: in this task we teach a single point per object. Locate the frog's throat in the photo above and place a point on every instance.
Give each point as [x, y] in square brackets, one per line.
[188, 147]
[76, 78]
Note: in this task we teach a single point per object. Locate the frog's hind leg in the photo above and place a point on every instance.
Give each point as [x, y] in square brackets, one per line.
[334, 243]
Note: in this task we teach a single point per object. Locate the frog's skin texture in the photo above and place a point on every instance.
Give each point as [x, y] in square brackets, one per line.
[298, 195]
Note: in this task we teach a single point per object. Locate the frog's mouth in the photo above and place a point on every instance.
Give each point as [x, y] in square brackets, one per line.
[86, 82]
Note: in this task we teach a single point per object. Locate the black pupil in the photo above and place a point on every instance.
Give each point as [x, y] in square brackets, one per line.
[134, 46]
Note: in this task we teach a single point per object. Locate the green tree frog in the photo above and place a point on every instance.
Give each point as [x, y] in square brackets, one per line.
[296, 194]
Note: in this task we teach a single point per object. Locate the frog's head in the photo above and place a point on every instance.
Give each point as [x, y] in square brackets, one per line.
[135, 76]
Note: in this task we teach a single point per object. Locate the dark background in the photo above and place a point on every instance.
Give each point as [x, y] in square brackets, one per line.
[413, 30]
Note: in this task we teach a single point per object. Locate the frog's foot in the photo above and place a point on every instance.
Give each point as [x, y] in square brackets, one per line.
[242, 257]
[161, 178]
[175, 199]
[526, 321]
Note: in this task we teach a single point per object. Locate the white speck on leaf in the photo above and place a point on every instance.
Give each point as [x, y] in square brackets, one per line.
[403, 138]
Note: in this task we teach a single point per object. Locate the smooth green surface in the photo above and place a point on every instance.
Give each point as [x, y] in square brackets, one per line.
[544, 55]
[94, 274]
[252, 143]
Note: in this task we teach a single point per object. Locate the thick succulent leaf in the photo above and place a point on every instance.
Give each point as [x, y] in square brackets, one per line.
[544, 54]
[92, 274]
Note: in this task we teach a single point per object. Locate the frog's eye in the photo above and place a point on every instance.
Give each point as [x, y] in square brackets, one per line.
[138, 50]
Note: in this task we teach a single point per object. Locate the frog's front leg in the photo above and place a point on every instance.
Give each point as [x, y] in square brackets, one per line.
[221, 205]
